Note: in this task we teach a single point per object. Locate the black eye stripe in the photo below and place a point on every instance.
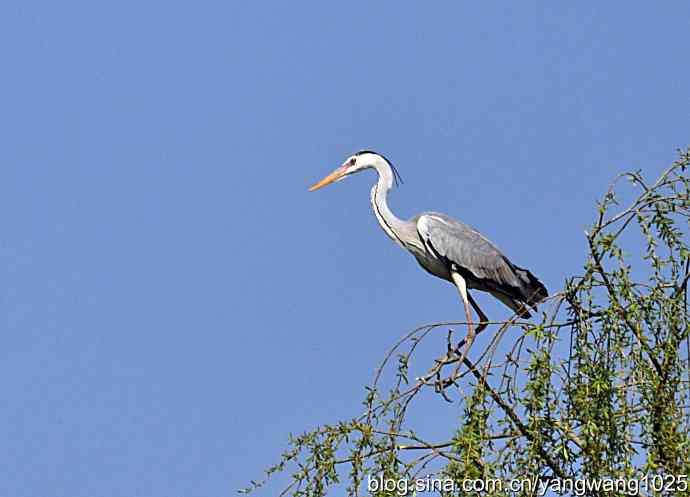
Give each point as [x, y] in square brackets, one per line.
[396, 174]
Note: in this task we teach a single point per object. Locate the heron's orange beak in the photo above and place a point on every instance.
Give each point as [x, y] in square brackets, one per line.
[331, 178]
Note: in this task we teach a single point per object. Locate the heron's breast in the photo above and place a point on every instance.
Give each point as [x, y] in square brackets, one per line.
[433, 266]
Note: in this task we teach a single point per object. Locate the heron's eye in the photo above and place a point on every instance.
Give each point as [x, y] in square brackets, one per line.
[352, 161]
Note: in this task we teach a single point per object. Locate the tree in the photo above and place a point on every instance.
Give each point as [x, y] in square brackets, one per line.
[597, 393]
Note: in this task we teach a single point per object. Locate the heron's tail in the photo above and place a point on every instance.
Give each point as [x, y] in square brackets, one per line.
[528, 292]
[533, 291]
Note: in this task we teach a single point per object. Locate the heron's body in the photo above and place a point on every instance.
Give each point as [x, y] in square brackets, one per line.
[447, 248]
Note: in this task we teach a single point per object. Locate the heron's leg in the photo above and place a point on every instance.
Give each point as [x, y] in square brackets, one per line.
[462, 288]
[483, 319]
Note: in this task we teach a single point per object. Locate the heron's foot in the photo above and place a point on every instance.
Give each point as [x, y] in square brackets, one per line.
[441, 384]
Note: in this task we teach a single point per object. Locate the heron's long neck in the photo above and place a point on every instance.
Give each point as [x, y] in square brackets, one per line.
[379, 202]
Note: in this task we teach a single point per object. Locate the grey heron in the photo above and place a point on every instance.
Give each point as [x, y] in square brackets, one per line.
[446, 248]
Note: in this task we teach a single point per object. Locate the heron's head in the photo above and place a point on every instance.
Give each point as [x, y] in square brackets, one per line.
[365, 159]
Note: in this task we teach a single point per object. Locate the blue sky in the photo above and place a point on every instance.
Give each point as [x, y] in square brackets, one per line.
[174, 302]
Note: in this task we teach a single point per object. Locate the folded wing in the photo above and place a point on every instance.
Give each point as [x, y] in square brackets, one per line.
[468, 252]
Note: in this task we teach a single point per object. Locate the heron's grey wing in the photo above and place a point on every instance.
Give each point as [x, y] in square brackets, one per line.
[471, 253]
